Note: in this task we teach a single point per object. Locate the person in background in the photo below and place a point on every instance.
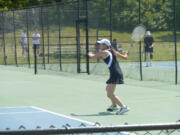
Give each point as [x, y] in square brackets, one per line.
[120, 49]
[36, 41]
[114, 44]
[24, 42]
[148, 46]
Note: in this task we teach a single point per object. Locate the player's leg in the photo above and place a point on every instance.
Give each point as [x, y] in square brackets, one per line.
[114, 99]
[26, 48]
[22, 51]
[146, 53]
[22, 44]
[109, 90]
[38, 52]
[38, 47]
[151, 56]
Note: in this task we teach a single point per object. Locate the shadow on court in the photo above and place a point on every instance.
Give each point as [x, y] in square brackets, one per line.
[98, 114]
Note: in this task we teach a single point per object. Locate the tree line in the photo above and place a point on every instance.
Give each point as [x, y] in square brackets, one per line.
[155, 14]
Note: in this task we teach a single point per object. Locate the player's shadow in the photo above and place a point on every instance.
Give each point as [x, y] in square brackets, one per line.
[98, 114]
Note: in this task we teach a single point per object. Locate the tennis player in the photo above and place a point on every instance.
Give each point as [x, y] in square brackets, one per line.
[24, 42]
[148, 46]
[116, 76]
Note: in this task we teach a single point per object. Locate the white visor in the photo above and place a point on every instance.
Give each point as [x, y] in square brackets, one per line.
[148, 33]
[104, 41]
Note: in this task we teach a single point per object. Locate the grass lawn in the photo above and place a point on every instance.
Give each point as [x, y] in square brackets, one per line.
[163, 50]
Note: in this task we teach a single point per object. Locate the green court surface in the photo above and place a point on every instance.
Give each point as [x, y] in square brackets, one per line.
[84, 97]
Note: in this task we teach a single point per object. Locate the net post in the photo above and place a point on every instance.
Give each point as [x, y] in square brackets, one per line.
[27, 27]
[59, 18]
[42, 30]
[175, 45]
[14, 31]
[140, 57]
[4, 43]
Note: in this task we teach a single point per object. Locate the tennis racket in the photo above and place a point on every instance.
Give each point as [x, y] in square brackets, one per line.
[137, 34]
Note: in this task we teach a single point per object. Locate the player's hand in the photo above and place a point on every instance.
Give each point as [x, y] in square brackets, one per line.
[90, 54]
[151, 46]
[126, 54]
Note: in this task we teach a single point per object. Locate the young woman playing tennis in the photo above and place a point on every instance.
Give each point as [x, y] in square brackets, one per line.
[116, 76]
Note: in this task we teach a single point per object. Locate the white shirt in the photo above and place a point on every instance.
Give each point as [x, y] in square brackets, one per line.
[24, 37]
[36, 41]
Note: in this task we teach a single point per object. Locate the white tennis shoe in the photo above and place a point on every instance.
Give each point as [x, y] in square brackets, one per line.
[112, 108]
[123, 110]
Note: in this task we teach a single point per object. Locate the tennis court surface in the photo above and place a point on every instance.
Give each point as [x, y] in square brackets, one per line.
[34, 118]
[82, 97]
[30, 118]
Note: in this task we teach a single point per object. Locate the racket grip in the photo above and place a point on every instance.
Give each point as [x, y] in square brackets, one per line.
[131, 45]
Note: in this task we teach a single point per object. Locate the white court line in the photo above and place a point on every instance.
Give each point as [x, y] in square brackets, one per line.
[68, 117]
[14, 107]
[19, 113]
[42, 110]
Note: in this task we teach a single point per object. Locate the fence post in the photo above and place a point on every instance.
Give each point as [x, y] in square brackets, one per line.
[110, 17]
[175, 45]
[78, 37]
[4, 44]
[15, 51]
[59, 18]
[42, 30]
[87, 38]
[140, 57]
[27, 27]
[48, 34]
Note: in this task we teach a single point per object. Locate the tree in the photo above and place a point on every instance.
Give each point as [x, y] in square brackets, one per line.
[155, 14]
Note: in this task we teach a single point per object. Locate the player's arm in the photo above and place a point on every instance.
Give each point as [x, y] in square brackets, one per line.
[38, 37]
[33, 37]
[97, 55]
[125, 56]
[22, 37]
[152, 43]
[145, 42]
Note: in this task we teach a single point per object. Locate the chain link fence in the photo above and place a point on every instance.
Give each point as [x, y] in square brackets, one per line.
[69, 30]
[97, 129]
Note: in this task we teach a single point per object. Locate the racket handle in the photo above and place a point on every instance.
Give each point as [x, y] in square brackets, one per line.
[129, 48]
[131, 45]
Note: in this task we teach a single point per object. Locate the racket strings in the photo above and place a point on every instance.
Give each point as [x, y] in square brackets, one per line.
[138, 33]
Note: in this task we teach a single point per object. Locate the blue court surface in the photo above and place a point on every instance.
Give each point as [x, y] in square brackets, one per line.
[31, 118]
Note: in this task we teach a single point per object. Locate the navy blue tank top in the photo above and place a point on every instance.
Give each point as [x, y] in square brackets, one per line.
[113, 64]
